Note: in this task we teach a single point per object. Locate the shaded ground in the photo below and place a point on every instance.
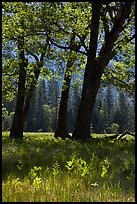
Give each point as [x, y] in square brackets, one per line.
[39, 149]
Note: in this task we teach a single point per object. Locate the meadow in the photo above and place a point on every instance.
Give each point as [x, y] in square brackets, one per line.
[41, 168]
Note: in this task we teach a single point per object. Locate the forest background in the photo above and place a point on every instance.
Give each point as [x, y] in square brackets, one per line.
[114, 111]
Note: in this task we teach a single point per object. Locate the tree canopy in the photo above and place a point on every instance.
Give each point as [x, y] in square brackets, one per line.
[59, 21]
[36, 40]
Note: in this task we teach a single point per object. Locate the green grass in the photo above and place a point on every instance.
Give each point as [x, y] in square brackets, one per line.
[41, 168]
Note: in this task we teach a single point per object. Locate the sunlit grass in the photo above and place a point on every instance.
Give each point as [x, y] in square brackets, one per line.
[41, 168]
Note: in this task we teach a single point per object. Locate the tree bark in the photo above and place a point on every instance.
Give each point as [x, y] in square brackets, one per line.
[95, 66]
[83, 119]
[91, 82]
[23, 101]
[17, 124]
[62, 128]
[22, 106]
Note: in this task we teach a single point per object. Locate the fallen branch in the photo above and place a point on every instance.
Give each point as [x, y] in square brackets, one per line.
[112, 136]
[126, 133]
[116, 136]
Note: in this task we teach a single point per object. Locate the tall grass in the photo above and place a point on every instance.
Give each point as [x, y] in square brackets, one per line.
[40, 168]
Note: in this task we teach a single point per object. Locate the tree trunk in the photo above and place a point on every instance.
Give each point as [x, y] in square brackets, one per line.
[83, 119]
[62, 129]
[20, 116]
[91, 82]
[95, 66]
[22, 105]
[23, 101]
[17, 125]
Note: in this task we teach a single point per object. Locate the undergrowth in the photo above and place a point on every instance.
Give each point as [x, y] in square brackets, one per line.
[41, 168]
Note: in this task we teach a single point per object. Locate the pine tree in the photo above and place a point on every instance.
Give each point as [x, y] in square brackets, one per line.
[121, 114]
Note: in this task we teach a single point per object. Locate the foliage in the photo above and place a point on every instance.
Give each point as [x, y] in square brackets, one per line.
[8, 121]
[98, 170]
[4, 112]
[105, 166]
[114, 128]
[59, 21]
[21, 20]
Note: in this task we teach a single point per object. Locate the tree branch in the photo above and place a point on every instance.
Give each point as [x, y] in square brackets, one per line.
[106, 51]
[117, 79]
[44, 52]
[33, 55]
[82, 39]
[66, 48]
[126, 39]
[60, 28]
[105, 23]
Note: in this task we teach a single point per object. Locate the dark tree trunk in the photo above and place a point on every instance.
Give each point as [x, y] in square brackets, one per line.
[23, 101]
[17, 125]
[95, 66]
[91, 82]
[83, 119]
[22, 107]
[62, 128]
[20, 116]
